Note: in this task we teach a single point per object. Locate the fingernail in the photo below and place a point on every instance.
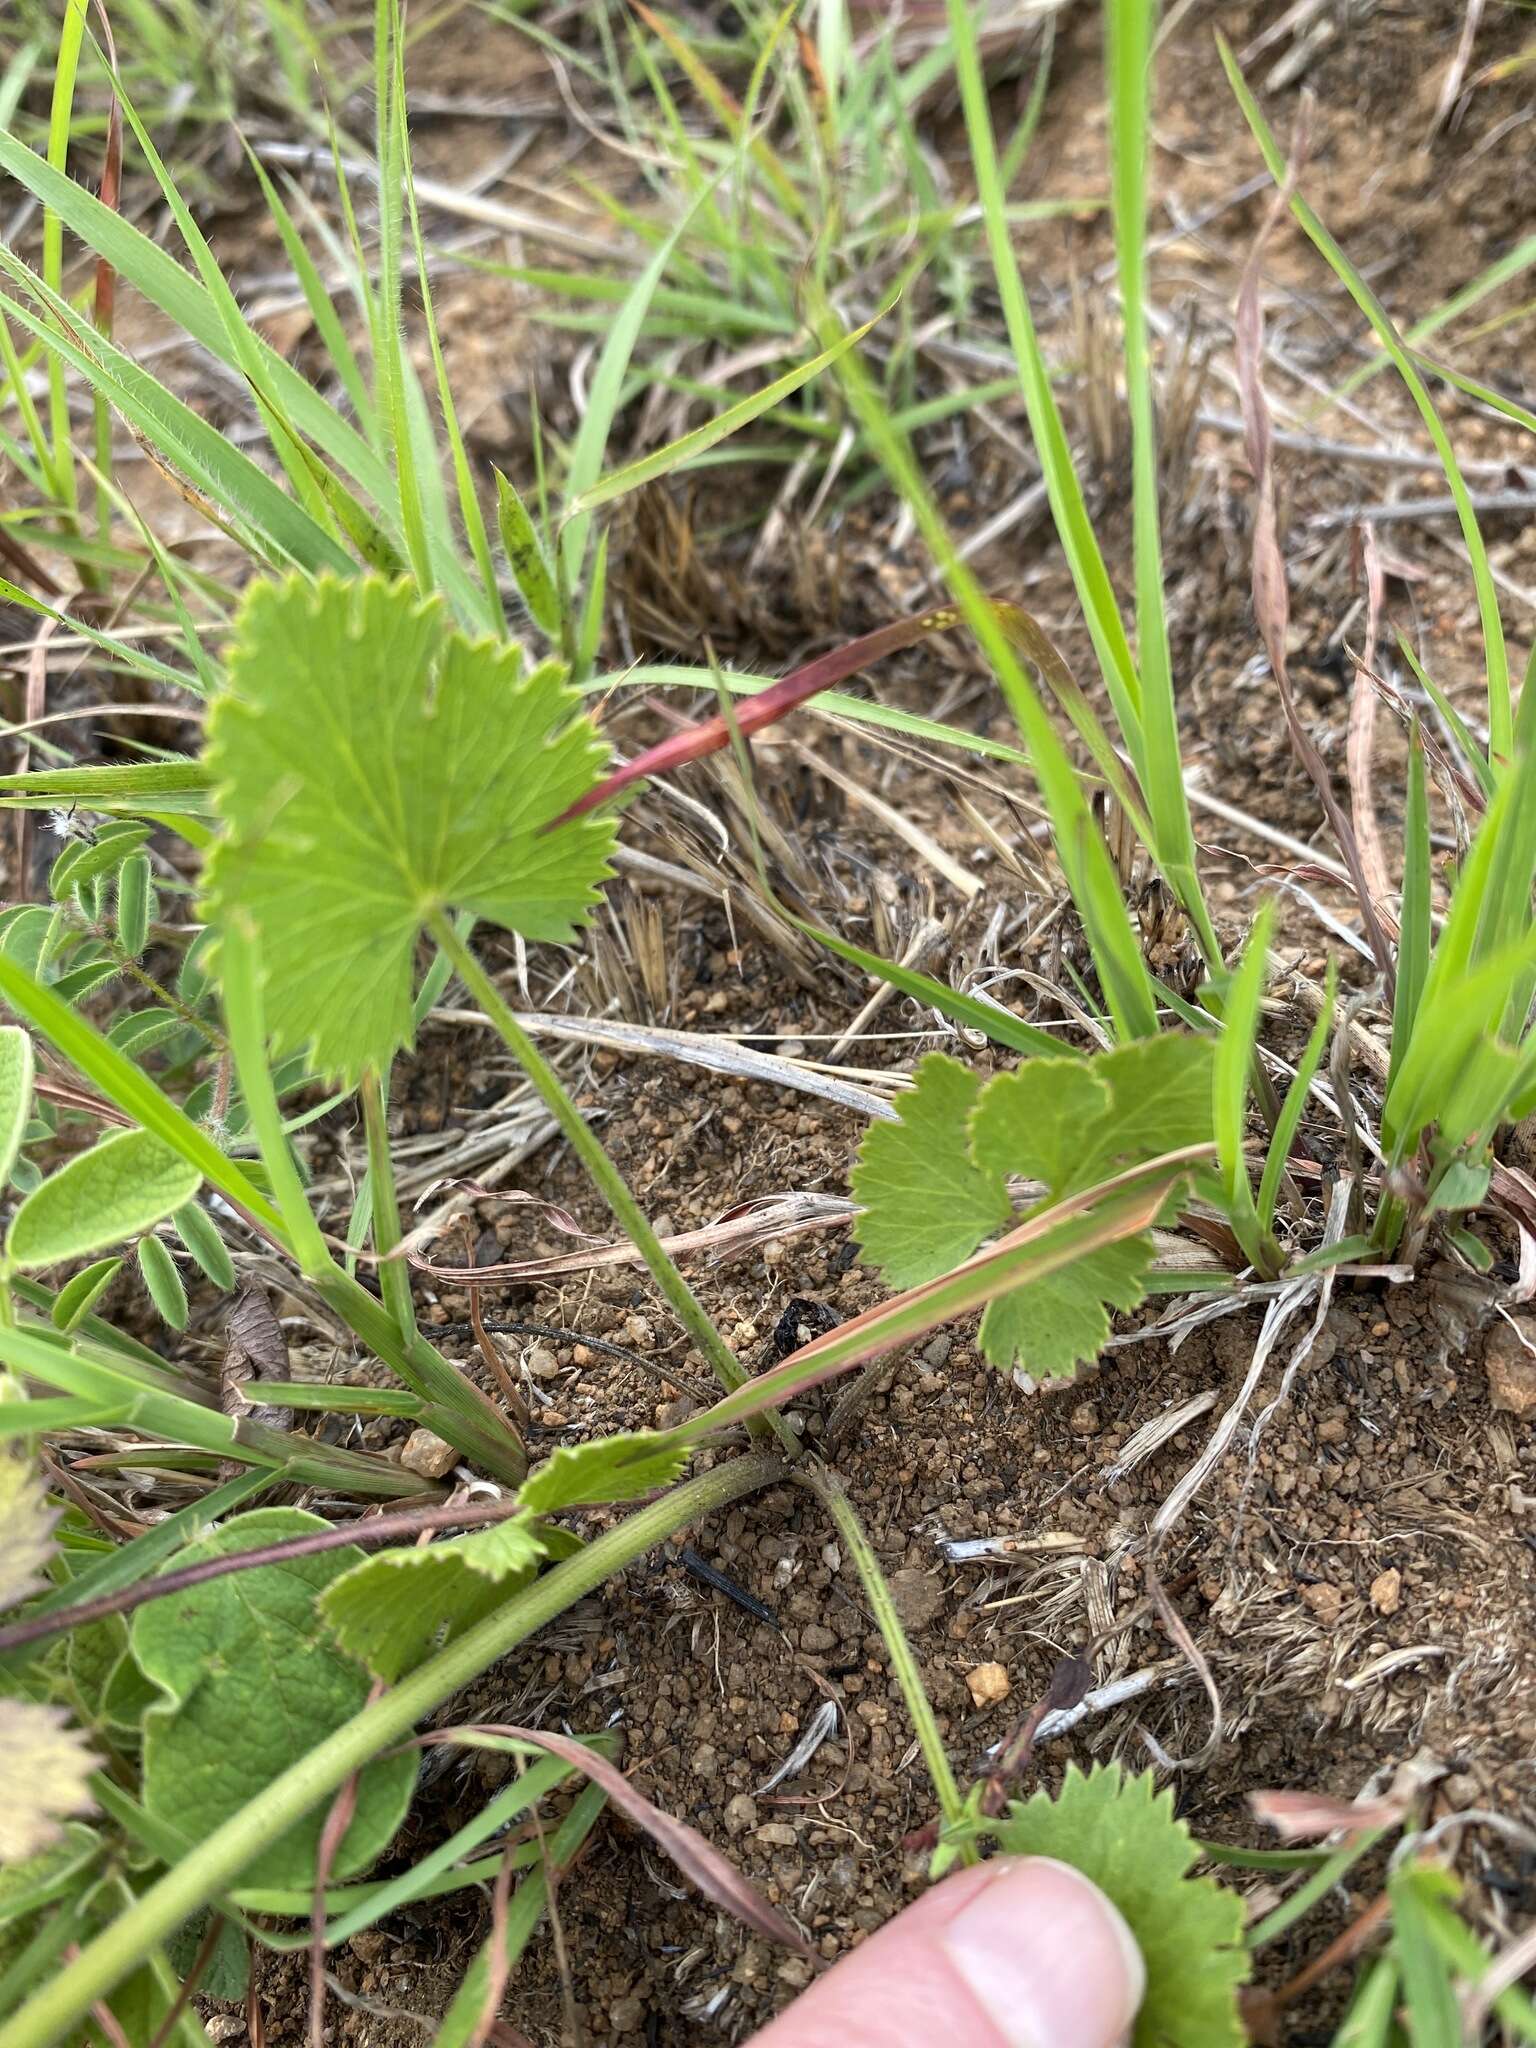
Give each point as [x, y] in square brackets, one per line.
[1047, 1957]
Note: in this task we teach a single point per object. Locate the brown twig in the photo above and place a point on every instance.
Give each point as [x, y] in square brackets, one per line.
[191, 1981]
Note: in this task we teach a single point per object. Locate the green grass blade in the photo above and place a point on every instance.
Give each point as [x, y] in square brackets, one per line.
[184, 302]
[663, 460]
[1495, 654]
[1510, 265]
[1236, 1049]
[1079, 844]
[131, 1089]
[1068, 507]
[1128, 62]
[278, 529]
[1295, 1102]
[1414, 927]
[1475, 756]
[604, 396]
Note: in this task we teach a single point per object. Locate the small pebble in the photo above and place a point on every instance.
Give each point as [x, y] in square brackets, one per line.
[777, 1834]
[988, 1684]
[427, 1455]
[741, 1814]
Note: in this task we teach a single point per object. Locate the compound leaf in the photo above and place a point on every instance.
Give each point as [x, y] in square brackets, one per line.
[927, 1203]
[123, 1185]
[1053, 1325]
[45, 1767]
[1121, 1833]
[372, 769]
[250, 1681]
[391, 1610]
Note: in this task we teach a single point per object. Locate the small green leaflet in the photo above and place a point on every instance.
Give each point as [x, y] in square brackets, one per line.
[392, 1610]
[120, 1186]
[249, 1682]
[927, 1203]
[15, 1094]
[933, 1185]
[373, 769]
[1121, 1833]
[607, 1469]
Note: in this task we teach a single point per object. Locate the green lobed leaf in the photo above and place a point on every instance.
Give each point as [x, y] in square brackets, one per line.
[611, 1468]
[1052, 1325]
[1037, 1120]
[391, 1610]
[1071, 1123]
[120, 1186]
[927, 1203]
[251, 1681]
[15, 1094]
[1121, 1833]
[934, 1184]
[371, 770]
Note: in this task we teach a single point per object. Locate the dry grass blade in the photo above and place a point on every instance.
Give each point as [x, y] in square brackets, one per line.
[1271, 596]
[699, 1861]
[1362, 730]
[718, 1054]
[1299, 1816]
[755, 1222]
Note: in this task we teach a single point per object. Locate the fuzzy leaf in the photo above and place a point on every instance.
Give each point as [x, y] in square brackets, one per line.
[252, 1681]
[372, 769]
[15, 1094]
[45, 1768]
[1121, 1833]
[26, 1528]
[120, 1186]
[391, 1610]
[1051, 1326]
[610, 1468]
[927, 1203]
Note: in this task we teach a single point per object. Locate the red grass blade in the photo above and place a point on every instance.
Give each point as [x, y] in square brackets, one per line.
[772, 704]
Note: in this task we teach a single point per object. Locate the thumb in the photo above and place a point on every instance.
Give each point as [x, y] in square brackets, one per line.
[1020, 1952]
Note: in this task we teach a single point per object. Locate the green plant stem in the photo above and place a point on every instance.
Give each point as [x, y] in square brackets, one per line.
[825, 1486]
[478, 1428]
[221, 1856]
[394, 1274]
[680, 1297]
